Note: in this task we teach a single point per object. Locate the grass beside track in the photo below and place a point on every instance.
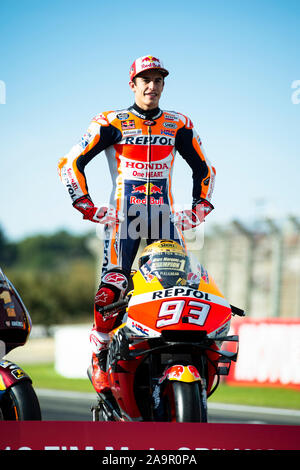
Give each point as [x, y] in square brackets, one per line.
[45, 376]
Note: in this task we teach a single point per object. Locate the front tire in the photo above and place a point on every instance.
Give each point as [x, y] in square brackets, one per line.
[185, 402]
[20, 403]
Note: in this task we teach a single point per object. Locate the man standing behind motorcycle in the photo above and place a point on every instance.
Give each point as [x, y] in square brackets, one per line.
[140, 143]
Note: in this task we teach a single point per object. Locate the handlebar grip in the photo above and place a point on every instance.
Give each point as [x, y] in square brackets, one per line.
[237, 311]
[118, 304]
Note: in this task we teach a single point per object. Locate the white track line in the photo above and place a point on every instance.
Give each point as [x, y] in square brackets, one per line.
[211, 406]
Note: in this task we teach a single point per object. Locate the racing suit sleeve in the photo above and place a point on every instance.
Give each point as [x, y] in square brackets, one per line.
[100, 135]
[189, 145]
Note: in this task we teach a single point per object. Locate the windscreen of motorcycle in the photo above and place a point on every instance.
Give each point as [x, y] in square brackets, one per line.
[170, 268]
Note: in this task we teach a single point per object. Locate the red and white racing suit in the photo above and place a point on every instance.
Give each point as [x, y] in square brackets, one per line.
[140, 148]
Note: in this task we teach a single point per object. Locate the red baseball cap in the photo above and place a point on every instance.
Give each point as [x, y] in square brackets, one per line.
[147, 62]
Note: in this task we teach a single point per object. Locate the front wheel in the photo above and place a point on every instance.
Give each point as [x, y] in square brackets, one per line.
[20, 403]
[185, 402]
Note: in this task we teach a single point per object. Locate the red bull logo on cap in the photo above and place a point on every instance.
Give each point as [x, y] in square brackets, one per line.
[151, 60]
[145, 63]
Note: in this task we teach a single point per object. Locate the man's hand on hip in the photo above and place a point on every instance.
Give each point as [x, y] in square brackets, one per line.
[191, 218]
[101, 215]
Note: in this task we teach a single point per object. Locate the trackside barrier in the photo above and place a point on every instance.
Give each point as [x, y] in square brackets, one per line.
[269, 352]
[65, 435]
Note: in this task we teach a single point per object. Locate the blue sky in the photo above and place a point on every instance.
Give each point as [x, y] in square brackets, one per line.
[232, 64]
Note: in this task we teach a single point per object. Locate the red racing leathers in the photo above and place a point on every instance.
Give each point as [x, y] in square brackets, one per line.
[140, 148]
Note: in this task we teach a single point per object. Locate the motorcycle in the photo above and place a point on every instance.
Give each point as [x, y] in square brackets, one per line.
[18, 400]
[164, 357]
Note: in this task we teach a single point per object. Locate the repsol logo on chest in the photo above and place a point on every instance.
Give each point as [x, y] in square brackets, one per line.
[181, 292]
[146, 140]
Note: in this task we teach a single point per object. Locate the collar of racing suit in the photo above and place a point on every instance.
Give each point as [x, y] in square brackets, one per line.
[144, 114]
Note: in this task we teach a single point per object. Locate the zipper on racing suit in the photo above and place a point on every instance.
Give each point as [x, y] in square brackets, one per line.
[148, 183]
[148, 174]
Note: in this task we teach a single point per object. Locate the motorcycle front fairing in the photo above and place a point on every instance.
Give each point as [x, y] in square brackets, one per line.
[188, 314]
[11, 374]
[181, 297]
[187, 301]
[15, 327]
[15, 321]
[121, 374]
[140, 372]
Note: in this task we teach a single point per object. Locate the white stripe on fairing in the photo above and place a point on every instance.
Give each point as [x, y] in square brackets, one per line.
[148, 296]
[134, 325]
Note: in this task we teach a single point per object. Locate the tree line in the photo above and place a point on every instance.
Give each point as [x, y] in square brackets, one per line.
[54, 274]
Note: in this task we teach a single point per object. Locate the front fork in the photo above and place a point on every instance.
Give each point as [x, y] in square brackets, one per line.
[179, 372]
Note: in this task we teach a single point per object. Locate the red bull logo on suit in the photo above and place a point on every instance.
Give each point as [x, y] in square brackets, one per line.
[147, 189]
[152, 200]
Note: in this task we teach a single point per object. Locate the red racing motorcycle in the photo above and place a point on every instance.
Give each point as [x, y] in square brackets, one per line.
[18, 400]
[166, 356]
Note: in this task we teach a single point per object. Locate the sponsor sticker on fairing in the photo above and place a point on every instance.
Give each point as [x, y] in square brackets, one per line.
[140, 329]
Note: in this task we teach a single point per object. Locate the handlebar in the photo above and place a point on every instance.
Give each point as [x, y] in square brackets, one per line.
[124, 303]
[118, 304]
[237, 311]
